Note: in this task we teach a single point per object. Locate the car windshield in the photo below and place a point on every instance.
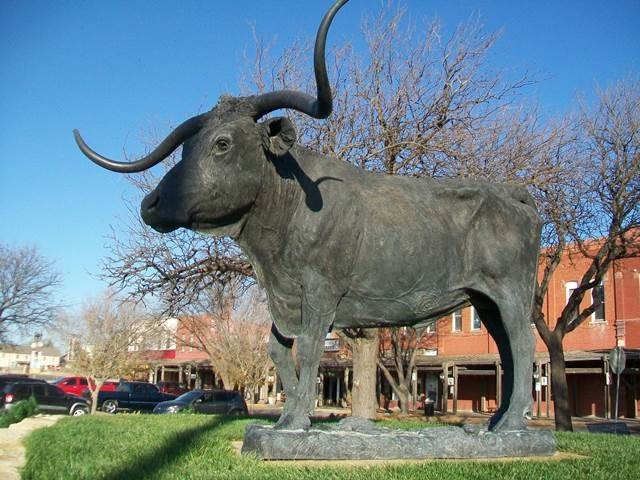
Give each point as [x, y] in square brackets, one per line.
[189, 396]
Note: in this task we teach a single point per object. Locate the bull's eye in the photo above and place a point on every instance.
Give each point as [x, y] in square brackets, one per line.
[221, 145]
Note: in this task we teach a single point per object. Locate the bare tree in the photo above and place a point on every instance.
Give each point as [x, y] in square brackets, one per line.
[398, 349]
[594, 214]
[248, 338]
[176, 271]
[415, 101]
[28, 283]
[107, 334]
[234, 335]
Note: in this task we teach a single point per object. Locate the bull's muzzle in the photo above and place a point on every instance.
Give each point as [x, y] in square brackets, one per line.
[151, 215]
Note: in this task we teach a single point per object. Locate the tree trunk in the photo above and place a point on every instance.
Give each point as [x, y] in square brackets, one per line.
[226, 381]
[94, 401]
[403, 396]
[365, 354]
[559, 386]
[94, 394]
[399, 387]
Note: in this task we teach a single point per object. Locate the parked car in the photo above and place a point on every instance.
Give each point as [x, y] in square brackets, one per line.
[132, 396]
[7, 378]
[74, 385]
[79, 385]
[174, 388]
[109, 386]
[225, 402]
[49, 398]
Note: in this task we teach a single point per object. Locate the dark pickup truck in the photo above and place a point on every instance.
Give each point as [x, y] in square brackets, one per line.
[132, 396]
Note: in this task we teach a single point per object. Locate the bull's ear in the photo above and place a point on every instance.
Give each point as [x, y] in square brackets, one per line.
[281, 134]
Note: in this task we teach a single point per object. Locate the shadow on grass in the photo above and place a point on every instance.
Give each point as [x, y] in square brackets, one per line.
[179, 445]
[164, 457]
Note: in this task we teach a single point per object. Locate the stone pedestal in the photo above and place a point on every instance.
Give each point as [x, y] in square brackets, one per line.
[358, 439]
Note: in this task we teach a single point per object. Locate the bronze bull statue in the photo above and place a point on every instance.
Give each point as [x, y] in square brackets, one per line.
[335, 246]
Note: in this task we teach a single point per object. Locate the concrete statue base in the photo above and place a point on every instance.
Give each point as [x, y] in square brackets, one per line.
[359, 439]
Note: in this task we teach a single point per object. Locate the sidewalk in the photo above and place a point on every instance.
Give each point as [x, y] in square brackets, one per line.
[12, 452]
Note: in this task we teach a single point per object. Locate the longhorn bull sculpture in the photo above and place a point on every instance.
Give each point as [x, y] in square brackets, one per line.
[335, 246]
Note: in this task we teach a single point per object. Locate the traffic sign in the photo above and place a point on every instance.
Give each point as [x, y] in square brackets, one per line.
[617, 360]
[616, 363]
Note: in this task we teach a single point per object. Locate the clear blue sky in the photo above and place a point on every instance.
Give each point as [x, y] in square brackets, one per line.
[113, 69]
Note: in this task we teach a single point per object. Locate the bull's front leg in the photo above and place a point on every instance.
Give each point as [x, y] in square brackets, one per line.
[280, 351]
[318, 312]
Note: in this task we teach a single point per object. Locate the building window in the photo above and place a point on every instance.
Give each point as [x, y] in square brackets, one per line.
[431, 328]
[475, 320]
[456, 321]
[597, 297]
[569, 287]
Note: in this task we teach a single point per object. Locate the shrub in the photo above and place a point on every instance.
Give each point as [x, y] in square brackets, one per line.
[20, 411]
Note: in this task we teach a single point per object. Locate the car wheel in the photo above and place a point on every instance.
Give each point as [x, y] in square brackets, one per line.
[236, 413]
[110, 406]
[79, 410]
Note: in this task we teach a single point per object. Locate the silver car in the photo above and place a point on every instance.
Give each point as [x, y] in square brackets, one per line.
[224, 402]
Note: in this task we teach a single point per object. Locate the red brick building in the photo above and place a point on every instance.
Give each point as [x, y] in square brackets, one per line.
[459, 367]
[180, 360]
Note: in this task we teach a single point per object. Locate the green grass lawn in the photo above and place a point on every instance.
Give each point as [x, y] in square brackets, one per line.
[199, 447]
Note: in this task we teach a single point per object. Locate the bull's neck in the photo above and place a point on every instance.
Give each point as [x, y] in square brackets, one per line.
[280, 195]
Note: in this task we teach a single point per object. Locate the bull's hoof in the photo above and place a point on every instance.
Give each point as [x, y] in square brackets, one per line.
[292, 422]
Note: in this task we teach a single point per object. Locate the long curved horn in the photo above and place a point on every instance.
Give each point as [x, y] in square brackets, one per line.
[174, 139]
[319, 107]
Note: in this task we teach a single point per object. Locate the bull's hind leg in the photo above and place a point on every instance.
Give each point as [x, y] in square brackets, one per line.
[508, 322]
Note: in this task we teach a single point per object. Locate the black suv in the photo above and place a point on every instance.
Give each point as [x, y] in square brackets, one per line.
[225, 402]
[49, 398]
[7, 378]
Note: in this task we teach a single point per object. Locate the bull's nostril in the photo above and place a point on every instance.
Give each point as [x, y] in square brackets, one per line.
[150, 202]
